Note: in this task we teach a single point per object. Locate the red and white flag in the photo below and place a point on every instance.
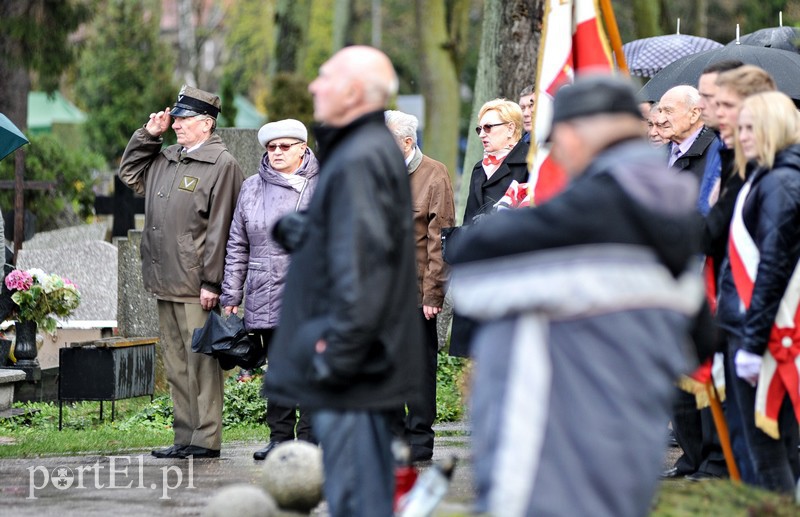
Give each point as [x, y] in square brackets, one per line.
[780, 366]
[573, 42]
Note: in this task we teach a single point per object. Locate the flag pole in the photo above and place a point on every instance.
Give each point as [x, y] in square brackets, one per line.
[722, 431]
[613, 34]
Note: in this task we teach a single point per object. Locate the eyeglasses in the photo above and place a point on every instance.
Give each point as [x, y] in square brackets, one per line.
[284, 147]
[487, 128]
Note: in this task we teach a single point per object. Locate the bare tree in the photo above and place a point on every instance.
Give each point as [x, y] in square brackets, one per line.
[341, 23]
[187, 43]
[439, 56]
[646, 16]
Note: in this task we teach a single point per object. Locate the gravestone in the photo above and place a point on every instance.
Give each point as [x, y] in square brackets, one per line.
[91, 265]
[243, 145]
[137, 310]
[69, 236]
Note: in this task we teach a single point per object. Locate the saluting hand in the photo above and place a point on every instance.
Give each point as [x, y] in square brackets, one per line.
[158, 123]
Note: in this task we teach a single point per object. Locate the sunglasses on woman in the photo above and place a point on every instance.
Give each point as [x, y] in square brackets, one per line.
[284, 147]
[487, 128]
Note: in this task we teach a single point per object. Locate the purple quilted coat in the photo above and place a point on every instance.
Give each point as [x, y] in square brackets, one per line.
[255, 264]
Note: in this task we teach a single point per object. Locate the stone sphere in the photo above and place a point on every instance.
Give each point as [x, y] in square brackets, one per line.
[293, 475]
[241, 500]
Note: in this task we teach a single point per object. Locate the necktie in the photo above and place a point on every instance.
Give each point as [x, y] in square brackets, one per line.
[182, 155]
[675, 155]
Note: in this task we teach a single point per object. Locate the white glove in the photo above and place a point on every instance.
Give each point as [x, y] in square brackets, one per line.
[748, 366]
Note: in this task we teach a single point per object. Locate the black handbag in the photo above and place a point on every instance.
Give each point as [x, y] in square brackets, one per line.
[227, 340]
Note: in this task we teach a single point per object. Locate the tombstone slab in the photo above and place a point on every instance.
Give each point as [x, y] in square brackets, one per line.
[243, 145]
[91, 265]
[70, 236]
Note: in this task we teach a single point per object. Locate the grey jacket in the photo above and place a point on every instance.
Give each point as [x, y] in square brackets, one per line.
[188, 208]
[255, 263]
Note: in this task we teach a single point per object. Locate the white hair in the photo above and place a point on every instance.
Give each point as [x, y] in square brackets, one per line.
[401, 124]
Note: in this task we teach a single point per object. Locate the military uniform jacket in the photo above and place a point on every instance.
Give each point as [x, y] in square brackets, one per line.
[189, 205]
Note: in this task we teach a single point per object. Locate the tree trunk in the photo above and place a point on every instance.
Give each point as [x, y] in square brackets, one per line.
[507, 63]
[15, 82]
[290, 35]
[341, 22]
[439, 82]
[699, 25]
[187, 44]
[646, 16]
[318, 39]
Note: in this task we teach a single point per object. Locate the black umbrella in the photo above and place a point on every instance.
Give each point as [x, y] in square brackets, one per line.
[228, 341]
[10, 137]
[647, 56]
[783, 38]
[784, 67]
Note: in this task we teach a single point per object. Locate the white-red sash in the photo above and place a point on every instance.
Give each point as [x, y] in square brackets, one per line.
[781, 361]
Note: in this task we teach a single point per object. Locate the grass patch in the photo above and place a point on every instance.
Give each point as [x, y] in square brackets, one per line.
[140, 424]
[720, 497]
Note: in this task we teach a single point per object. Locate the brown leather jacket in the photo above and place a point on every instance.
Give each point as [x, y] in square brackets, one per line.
[432, 200]
[188, 210]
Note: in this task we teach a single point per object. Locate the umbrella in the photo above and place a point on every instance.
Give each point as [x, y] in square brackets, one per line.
[647, 56]
[784, 38]
[10, 137]
[228, 341]
[784, 67]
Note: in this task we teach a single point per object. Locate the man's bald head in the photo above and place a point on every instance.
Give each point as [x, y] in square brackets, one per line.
[679, 113]
[355, 81]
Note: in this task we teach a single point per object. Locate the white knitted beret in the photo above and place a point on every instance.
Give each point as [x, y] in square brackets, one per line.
[288, 128]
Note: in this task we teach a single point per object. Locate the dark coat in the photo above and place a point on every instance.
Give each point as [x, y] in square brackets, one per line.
[484, 193]
[352, 282]
[694, 160]
[189, 205]
[771, 214]
[718, 220]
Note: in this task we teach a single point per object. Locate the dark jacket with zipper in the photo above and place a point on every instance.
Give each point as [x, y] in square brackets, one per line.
[352, 282]
[189, 205]
[771, 214]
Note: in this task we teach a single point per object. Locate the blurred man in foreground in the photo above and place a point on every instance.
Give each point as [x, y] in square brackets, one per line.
[349, 343]
[586, 303]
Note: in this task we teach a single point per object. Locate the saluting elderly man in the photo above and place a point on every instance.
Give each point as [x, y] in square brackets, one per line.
[190, 193]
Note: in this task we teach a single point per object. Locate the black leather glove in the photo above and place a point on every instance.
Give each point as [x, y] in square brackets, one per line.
[290, 230]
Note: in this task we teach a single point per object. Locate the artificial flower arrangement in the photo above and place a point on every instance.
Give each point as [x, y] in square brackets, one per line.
[40, 297]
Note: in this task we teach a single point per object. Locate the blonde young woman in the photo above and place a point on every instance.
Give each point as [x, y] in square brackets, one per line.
[764, 249]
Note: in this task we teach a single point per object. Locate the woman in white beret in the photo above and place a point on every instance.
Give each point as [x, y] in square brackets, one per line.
[256, 263]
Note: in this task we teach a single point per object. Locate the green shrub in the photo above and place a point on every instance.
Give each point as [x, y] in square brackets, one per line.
[72, 172]
[244, 405]
[449, 400]
[155, 415]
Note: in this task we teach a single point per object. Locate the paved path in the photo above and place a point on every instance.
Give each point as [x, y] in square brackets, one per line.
[136, 484]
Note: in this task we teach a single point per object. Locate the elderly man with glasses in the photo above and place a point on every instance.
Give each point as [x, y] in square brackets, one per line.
[190, 190]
